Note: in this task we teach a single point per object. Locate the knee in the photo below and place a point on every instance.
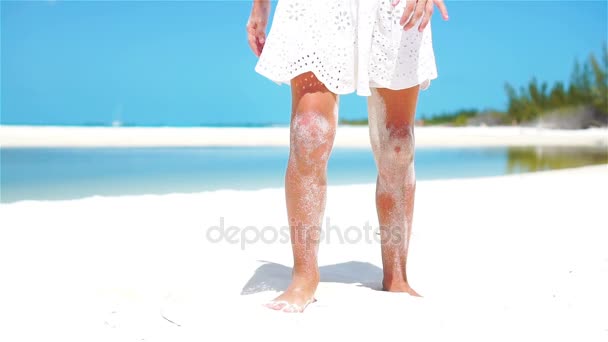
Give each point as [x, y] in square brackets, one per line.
[395, 156]
[312, 137]
[398, 147]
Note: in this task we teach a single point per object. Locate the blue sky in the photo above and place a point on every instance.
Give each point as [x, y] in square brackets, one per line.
[183, 63]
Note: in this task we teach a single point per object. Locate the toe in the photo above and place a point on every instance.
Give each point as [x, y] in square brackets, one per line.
[293, 308]
[276, 305]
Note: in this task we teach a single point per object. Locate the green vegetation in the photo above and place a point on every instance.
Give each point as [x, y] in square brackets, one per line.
[459, 118]
[526, 159]
[588, 87]
[361, 122]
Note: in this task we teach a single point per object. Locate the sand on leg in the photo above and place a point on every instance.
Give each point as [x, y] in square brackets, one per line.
[391, 126]
[314, 117]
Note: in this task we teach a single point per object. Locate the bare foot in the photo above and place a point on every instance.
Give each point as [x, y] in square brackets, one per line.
[298, 295]
[400, 286]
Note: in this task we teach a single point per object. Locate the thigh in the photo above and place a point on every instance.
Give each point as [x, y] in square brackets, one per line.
[393, 108]
[311, 96]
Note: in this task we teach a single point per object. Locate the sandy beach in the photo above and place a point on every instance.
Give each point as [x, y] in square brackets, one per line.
[346, 136]
[510, 258]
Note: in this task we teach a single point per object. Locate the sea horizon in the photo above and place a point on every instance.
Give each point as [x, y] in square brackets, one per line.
[160, 125]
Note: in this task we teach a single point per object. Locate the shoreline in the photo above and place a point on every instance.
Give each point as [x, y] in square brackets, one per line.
[580, 170]
[13, 136]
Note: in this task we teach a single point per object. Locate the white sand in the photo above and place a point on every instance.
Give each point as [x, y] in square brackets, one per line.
[347, 136]
[512, 258]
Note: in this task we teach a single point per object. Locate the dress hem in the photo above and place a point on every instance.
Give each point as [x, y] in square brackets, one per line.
[345, 91]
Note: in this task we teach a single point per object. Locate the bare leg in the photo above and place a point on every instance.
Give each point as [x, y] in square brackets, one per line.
[313, 128]
[391, 124]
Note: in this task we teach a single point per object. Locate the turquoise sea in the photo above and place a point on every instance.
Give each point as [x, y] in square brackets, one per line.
[68, 173]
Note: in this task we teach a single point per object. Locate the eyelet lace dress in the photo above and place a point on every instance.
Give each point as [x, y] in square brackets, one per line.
[350, 46]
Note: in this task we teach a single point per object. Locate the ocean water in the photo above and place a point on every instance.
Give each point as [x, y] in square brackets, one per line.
[69, 173]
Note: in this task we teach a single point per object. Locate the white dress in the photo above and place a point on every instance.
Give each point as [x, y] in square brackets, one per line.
[350, 46]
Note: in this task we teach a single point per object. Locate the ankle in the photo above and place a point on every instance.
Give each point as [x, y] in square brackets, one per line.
[392, 280]
[310, 276]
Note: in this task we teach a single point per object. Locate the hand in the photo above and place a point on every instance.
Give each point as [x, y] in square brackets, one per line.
[420, 8]
[256, 25]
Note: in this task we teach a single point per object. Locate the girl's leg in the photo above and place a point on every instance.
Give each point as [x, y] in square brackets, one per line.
[313, 128]
[391, 126]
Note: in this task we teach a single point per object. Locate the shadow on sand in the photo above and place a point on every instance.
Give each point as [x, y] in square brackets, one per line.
[271, 276]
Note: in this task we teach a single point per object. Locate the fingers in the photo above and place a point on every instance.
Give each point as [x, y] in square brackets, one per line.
[421, 9]
[260, 42]
[395, 2]
[409, 9]
[252, 44]
[428, 12]
[252, 40]
[442, 9]
[418, 12]
[256, 38]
